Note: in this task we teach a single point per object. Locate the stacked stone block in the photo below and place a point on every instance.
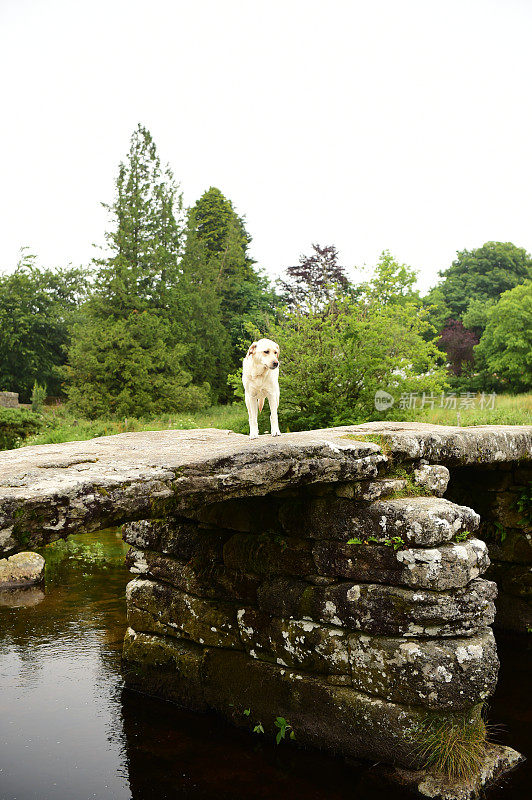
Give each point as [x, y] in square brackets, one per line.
[353, 613]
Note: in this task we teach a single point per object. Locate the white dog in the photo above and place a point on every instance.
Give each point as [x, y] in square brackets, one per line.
[260, 376]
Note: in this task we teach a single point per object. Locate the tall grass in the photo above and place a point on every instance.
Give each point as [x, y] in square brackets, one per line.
[454, 746]
[61, 425]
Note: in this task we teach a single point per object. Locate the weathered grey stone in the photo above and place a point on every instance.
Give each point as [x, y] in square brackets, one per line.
[164, 667]
[50, 491]
[336, 718]
[154, 607]
[448, 566]
[371, 490]
[380, 609]
[182, 538]
[432, 477]
[423, 521]
[497, 761]
[202, 576]
[447, 673]
[447, 444]
[297, 643]
[269, 554]
[21, 569]
[9, 399]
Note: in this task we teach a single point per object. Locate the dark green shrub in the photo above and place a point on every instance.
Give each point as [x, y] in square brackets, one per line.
[15, 426]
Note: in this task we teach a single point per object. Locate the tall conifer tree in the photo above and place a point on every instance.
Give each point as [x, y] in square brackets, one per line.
[245, 295]
[125, 357]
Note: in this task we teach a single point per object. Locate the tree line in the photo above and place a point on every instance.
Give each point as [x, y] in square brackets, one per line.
[161, 320]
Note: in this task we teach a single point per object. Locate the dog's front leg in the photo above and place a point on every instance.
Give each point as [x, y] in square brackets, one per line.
[273, 400]
[252, 405]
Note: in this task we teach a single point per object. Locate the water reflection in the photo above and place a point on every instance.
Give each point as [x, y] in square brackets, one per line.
[18, 598]
[69, 731]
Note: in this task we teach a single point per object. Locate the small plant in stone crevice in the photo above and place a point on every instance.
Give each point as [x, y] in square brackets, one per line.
[524, 505]
[284, 727]
[397, 542]
[452, 746]
[461, 536]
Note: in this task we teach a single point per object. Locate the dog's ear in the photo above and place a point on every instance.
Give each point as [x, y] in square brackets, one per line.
[252, 348]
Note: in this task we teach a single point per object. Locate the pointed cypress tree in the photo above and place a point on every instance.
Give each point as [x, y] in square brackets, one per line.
[145, 241]
[245, 295]
[125, 357]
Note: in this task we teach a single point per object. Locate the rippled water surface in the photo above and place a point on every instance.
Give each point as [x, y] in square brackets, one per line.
[69, 731]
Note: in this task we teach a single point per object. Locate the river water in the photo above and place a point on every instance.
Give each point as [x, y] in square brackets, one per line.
[70, 731]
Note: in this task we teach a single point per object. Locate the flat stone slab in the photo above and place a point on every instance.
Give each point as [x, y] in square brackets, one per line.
[20, 570]
[498, 760]
[435, 673]
[423, 521]
[448, 566]
[50, 491]
[381, 609]
[154, 607]
[449, 445]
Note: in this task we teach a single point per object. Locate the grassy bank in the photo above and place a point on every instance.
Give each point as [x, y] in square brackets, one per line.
[60, 425]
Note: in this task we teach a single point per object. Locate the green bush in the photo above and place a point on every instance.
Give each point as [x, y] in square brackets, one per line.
[38, 396]
[334, 361]
[15, 426]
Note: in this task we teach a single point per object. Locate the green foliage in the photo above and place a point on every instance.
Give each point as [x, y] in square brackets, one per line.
[37, 309]
[284, 727]
[126, 367]
[392, 282]
[145, 239]
[461, 536]
[258, 728]
[334, 360]
[452, 745]
[524, 505]
[38, 396]
[397, 542]
[483, 275]
[198, 324]
[505, 349]
[125, 357]
[244, 294]
[476, 316]
[15, 425]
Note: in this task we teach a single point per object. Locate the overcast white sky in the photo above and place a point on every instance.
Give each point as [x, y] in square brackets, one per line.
[399, 124]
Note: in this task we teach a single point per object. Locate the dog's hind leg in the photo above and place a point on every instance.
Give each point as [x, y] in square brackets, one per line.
[252, 407]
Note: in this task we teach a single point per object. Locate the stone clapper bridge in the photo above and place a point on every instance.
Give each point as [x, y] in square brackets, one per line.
[321, 578]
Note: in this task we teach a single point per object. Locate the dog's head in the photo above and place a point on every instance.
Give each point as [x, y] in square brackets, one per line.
[264, 352]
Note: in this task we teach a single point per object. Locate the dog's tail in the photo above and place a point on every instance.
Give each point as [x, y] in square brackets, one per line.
[261, 403]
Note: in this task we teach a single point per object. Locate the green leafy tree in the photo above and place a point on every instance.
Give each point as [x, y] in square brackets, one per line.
[199, 324]
[245, 295]
[125, 356]
[505, 349]
[335, 359]
[483, 275]
[37, 310]
[392, 282]
[146, 237]
[125, 367]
